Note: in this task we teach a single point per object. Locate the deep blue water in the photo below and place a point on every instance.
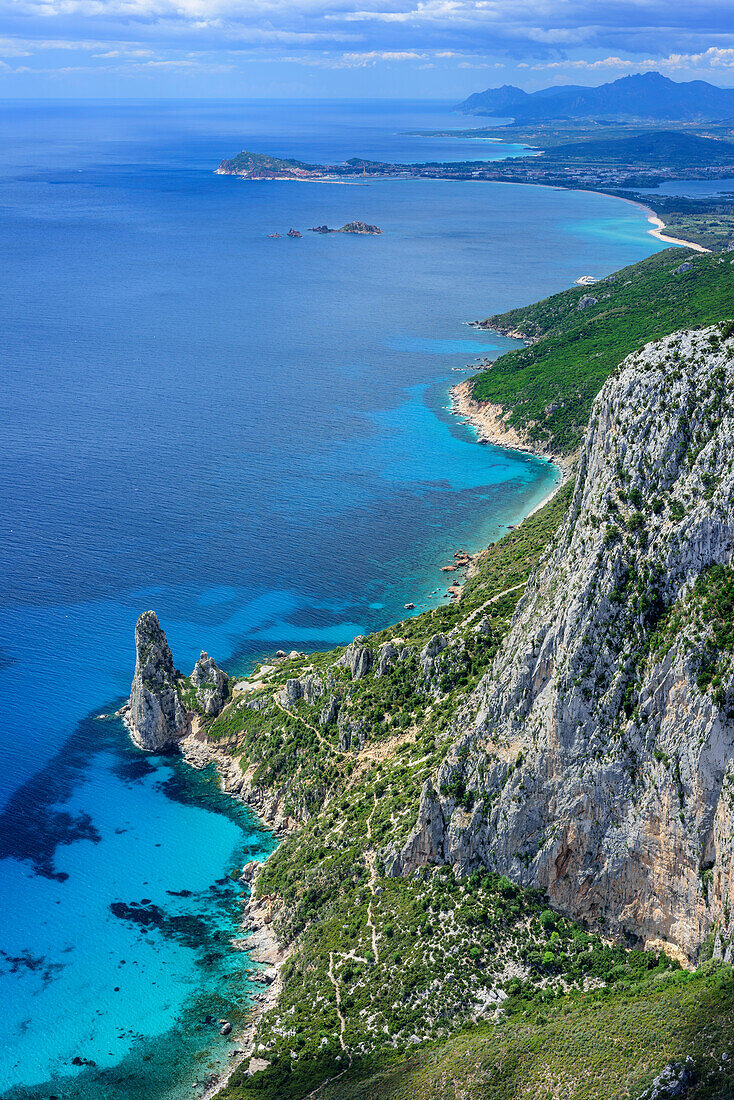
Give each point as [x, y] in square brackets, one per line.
[251, 436]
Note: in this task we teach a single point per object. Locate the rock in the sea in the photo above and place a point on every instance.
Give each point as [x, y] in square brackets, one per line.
[359, 227]
[210, 683]
[156, 717]
[249, 871]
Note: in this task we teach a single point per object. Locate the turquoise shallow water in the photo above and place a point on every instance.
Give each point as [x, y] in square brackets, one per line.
[252, 437]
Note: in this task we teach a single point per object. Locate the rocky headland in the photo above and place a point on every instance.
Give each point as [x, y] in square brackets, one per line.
[164, 705]
[519, 802]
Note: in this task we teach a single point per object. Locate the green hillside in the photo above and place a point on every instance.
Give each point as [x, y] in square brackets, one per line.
[548, 387]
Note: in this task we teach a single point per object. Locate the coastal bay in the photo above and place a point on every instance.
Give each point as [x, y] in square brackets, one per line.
[257, 443]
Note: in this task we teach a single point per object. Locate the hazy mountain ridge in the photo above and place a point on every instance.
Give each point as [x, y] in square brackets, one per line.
[640, 96]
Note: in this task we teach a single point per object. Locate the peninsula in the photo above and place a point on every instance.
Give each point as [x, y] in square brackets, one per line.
[617, 164]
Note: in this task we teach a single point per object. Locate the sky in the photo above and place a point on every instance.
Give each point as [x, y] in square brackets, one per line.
[434, 49]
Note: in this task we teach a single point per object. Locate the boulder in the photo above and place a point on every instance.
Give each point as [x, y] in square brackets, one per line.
[431, 650]
[290, 693]
[386, 658]
[357, 657]
[330, 711]
[249, 871]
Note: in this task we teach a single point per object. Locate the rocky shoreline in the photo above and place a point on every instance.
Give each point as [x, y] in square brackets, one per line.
[489, 422]
[258, 936]
[156, 718]
[511, 333]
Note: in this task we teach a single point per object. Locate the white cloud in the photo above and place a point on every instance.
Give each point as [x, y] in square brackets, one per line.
[341, 34]
[713, 58]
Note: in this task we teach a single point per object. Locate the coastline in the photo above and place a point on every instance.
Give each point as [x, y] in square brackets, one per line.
[489, 423]
[257, 936]
[656, 221]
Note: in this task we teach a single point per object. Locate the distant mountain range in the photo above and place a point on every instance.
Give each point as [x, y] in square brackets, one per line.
[643, 96]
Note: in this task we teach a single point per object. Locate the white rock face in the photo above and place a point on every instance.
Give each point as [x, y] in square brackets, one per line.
[357, 657]
[155, 717]
[589, 761]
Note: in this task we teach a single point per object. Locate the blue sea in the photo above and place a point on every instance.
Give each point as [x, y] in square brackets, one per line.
[251, 436]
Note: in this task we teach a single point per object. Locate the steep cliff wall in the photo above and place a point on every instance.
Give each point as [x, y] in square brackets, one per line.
[595, 759]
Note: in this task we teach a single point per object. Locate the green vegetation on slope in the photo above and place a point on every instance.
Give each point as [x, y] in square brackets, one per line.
[430, 986]
[603, 1045]
[548, 387]
[413, 961]
[706, 615]
[668, 148]
[262, 164]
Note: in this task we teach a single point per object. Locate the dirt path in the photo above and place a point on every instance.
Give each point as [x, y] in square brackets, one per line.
[319, 734]
[372, 864]
[340, 1014]
[478, 610]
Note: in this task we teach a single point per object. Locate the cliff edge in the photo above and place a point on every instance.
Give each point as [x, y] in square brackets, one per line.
[596, 759]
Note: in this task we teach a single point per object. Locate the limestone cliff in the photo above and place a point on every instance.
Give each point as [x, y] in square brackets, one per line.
[596, 758]
[155, 717]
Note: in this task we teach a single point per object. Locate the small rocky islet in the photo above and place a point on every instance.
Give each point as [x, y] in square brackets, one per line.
[357, 228]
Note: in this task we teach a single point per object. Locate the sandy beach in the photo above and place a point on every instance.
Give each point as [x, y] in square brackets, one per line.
[659, 225]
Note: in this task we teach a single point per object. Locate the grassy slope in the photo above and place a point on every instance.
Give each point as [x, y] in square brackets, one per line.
[548, 387]
[443, 944]
[598, 1046]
